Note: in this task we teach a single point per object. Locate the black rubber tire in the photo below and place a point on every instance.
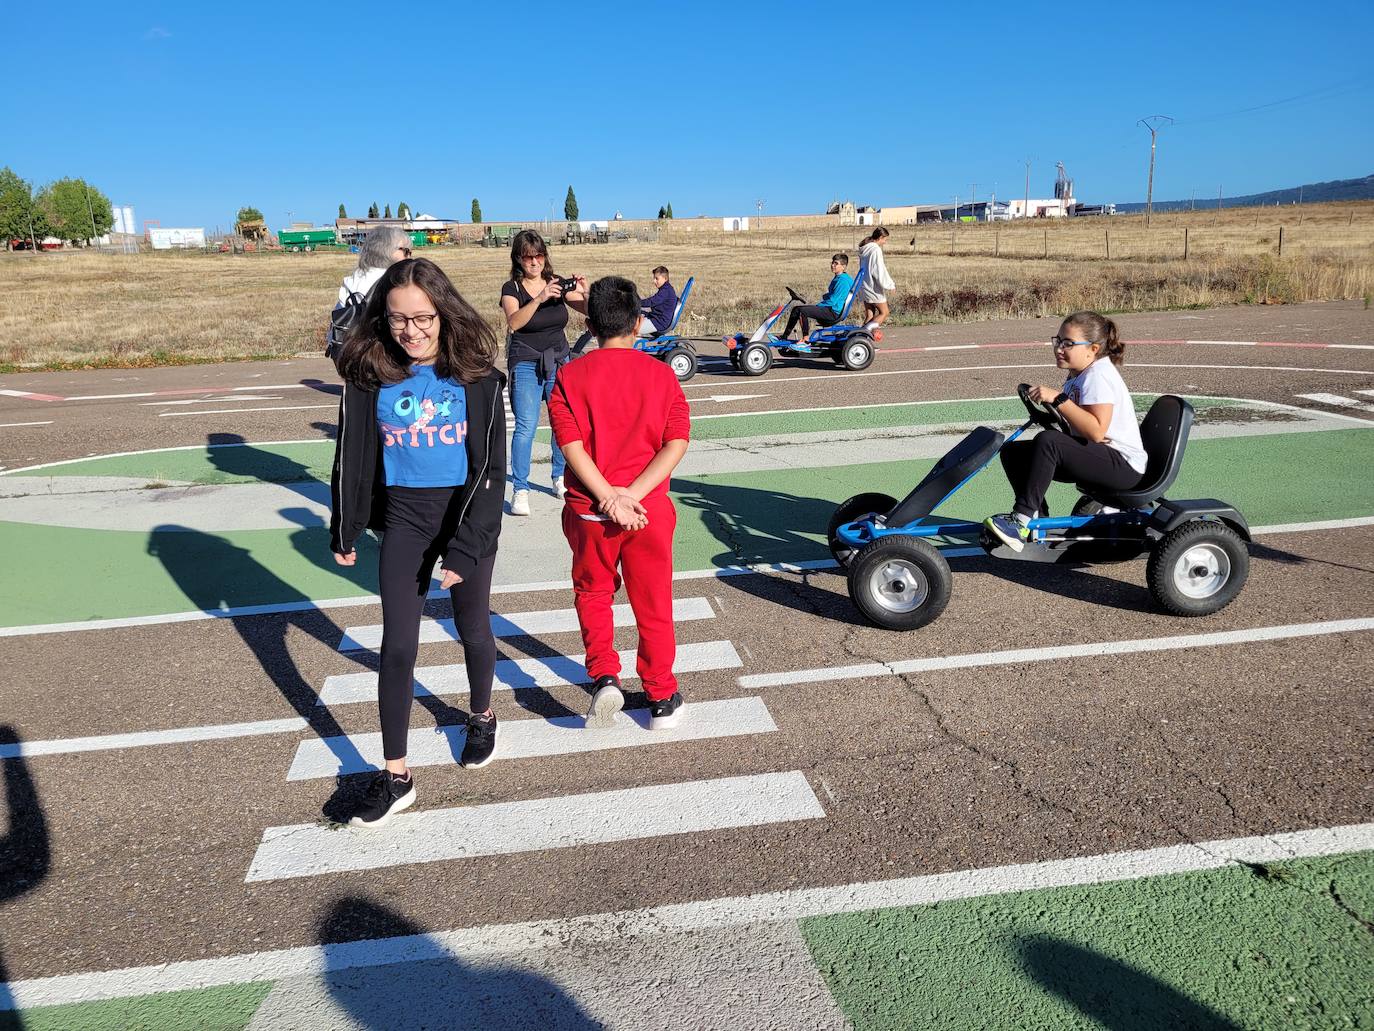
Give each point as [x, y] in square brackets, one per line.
[857, 353]
[847, 512]
[734, 358]
[755, 359]
[1198, 568]
[683, 362]
[882, 596]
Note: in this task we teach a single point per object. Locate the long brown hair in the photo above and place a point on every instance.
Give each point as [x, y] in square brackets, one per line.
[1100, 330]
[528, 240]
[467, 345]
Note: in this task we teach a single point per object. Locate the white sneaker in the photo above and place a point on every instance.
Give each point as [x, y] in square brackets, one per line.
[520, 502]
[560, 490]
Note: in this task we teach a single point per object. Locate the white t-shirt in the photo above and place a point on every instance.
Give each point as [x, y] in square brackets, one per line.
[1101, 384]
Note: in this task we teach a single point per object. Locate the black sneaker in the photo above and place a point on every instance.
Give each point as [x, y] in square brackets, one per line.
[606, 702]
[666, 713]
[480, 746]
[386, 796]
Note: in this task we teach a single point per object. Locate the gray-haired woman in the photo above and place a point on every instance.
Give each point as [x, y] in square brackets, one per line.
[382, 248]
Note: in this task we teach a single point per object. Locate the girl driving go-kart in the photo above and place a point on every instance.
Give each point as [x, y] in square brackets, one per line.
[1100, 443]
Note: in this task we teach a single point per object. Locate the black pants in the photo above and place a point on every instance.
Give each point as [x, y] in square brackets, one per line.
[418, 527]
[824, 317]
[1052, 455]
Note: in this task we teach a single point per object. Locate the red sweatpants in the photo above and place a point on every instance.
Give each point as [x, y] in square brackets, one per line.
[601, 552]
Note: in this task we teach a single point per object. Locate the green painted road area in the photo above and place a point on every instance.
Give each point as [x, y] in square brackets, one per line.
[65, 574]
[1285, 945]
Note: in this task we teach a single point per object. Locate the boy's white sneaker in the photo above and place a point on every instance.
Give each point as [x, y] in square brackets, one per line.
[666, 713]
[520, 503]
[606, 702]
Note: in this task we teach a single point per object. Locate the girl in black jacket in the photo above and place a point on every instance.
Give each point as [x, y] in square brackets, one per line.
[421, 455]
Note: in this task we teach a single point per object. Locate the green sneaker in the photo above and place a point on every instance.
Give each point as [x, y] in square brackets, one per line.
[1010, 530]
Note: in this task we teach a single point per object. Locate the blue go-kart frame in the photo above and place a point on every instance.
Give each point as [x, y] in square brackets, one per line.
[1198, 557]
[679, 352]
[851, 347]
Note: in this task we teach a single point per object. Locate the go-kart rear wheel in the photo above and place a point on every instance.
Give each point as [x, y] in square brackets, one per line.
[899, 582]
[734, 358]
[1197, 568]
[857, 353]
[683, 362]
[755, 359]
[857, 507]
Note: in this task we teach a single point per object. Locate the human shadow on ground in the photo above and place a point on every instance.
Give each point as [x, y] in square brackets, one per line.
[230, 454]
[756, 525]
[216, 575]
[435, 988]
[1110, 993]
[25, 849]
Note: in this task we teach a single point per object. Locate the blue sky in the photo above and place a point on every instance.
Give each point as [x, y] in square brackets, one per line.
[189, 111]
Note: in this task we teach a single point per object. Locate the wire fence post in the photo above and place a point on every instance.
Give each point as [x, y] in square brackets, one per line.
[1280, 241]
[1185, 243]
[1047, 243]
[1107, 236]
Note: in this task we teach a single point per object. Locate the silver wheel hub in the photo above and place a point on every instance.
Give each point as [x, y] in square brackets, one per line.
[856, 354]
[755, 359]
[681, 363]
[899, 585]
[1202, 570]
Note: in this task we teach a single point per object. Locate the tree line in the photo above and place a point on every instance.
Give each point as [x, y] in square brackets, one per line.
[69, 209]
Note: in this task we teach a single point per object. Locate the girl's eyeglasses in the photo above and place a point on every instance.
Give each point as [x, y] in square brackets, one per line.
[1064, 343]
[396, 321]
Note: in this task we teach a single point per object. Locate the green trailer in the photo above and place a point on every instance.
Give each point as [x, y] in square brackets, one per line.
[307, 239]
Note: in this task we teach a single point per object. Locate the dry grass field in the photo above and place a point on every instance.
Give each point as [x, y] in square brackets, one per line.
[76, 309]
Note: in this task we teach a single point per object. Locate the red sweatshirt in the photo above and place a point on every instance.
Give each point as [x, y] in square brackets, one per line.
[624, 405]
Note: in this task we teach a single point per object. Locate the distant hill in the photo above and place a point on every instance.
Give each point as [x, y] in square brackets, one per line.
[1311, 193]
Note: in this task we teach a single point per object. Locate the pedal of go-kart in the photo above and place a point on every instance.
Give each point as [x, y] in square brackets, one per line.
[1050, 551]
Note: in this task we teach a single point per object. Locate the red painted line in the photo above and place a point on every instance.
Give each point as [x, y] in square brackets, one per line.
[1045, 343]
[31, 396]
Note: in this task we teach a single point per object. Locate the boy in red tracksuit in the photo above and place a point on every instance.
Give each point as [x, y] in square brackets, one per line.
[622, 421]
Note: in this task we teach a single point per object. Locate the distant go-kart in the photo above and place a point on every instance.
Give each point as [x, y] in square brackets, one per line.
[851, 347]
[1198, 560]
[679, 352]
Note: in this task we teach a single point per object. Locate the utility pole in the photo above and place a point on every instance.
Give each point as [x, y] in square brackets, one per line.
[973, 201]
[758, 211]
[1026, 212]
[1218, 197]
[956, 207]
[1152, 125]
[1191, 194]
[90, 210]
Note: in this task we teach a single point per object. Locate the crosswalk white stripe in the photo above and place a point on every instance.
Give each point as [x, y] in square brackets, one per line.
[513, 674]
[146, 738]
[1365, 393]
[1338, 401]
[502, 828]
[545, 621]
[528, 738]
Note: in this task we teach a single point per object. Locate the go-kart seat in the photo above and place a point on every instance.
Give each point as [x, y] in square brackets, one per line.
[1164, 434]
[959, 463]
[677, 313]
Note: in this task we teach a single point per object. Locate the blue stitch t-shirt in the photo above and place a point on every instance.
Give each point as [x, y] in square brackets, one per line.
[423, 422]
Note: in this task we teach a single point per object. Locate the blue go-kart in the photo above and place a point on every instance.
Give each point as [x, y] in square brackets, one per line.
[679, 352]
[851, 347]
[1198, 559]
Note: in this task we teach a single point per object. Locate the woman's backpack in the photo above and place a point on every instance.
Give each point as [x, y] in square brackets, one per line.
[342, 319]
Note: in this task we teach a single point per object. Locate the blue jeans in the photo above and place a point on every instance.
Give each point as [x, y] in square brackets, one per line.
[526, 393]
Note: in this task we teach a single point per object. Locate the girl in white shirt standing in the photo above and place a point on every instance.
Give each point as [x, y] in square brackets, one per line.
[877, 281]
[1103, 444]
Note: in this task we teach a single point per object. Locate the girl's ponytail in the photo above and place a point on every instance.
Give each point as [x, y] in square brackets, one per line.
[1100, 330]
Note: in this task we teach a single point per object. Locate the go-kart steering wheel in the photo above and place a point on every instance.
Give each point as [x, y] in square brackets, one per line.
[796, 296]
[1043, 415]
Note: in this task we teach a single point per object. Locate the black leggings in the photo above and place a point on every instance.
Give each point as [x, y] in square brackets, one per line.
[418, 527]
[1052, 455]
[824, 317]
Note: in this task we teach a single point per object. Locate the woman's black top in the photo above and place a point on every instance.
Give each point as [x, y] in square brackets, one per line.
[541, 339]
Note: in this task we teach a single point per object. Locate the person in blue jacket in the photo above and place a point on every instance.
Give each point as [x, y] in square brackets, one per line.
[827, 312]
[657, 309]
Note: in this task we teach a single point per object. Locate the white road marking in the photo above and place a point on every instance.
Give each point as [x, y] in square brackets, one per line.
[714, 573]
[528, 738]
[530, 624]
[1016, 656]
[514, 939]
[721, 398]
[503, 828]
[516, 674]
[1338, 401]
[161, 450]
[1365, 393]
[7, 425]
[235, 411]
[143, 739]
[210, 400]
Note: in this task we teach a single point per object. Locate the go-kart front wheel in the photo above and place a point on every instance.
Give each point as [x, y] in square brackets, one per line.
[857, 507]
[900, 582]
[1197, 568]
[682, 361]
[857, 353]
[755, 359]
